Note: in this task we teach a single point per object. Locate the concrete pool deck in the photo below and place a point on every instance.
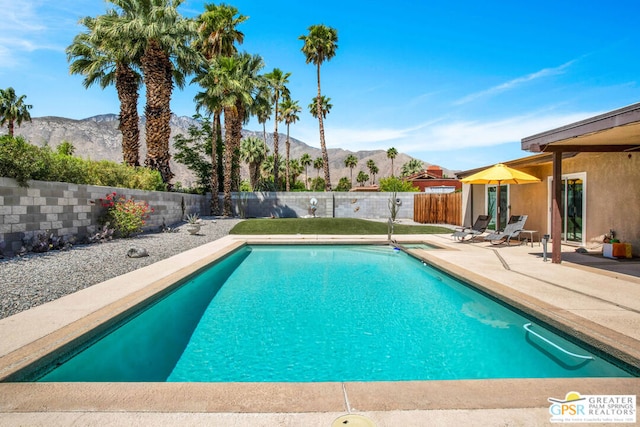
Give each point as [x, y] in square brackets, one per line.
[594, 298]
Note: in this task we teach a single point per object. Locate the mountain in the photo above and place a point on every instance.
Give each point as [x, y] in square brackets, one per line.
[98, 138]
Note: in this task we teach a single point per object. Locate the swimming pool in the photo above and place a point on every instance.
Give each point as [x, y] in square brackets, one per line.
[324, 313]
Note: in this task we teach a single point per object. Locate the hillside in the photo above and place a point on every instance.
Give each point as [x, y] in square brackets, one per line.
[98, 138]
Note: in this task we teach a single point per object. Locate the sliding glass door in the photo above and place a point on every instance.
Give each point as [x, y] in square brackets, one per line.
[497, 223]
[572, 206]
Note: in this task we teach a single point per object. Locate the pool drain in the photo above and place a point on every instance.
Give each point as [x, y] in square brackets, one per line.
[352, 420]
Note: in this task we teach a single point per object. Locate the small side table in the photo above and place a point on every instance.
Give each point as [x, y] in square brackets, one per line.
[531, 234]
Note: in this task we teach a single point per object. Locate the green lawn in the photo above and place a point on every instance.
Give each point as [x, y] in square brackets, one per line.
[348, 226]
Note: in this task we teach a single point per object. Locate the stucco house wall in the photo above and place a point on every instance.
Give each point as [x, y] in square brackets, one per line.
[612, 193]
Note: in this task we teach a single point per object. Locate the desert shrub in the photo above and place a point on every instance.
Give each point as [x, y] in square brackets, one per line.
[20, 160]
[23, 161]
[106, 173]
[145, 179]
[111, 174]
[66, 168]
[125, 216]
[394, 184]
[298, 186]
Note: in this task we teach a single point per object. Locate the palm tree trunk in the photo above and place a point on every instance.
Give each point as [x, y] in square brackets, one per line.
[127, 89]
[159, 82]
[229, 117]
[288, 188]
[10, 128]
[215, 203]
[264, 133]
[306, 178]
[237, 138]
[252, 174]
[323, 145]
[275, 148]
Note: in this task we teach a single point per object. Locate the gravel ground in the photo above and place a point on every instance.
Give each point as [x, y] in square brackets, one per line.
[35, 279]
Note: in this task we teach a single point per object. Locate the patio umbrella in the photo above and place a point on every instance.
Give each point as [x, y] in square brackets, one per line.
[500, 174]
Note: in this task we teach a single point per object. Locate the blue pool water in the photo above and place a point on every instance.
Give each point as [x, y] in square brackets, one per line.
[326, 313]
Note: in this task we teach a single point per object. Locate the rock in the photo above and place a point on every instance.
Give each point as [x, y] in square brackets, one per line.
[137, 252]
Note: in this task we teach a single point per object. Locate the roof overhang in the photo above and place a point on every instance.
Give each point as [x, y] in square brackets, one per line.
[615, 131]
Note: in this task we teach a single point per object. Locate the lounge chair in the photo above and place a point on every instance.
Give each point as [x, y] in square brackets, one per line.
[511, 231]
[475, 230]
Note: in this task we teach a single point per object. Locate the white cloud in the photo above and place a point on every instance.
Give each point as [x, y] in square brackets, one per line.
[511, 84]
[441, 135]
[19, 16]
[360, 138]
[27, 28]
[474, 134]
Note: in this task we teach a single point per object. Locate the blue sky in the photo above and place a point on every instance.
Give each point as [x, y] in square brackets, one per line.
[456, 84]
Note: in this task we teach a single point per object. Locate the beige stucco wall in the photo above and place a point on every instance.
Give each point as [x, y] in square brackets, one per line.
[612, 196]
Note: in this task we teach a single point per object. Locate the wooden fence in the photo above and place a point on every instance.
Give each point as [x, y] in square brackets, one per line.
[438, 208]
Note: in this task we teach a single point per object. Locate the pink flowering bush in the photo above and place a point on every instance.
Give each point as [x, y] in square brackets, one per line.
[125, 216]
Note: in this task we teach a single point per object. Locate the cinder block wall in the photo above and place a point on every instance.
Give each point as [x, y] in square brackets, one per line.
[329, 205]
[73, 210]
[282, 204]
[372, 205]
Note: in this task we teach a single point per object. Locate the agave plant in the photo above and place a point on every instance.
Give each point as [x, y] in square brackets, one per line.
[193, 218]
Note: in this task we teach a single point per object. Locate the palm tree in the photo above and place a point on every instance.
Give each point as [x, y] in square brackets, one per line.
[212, 103]
[362, 178]
[262, 109]
[237, 81]
[252, 151]
[289, 111]
[295, 169]
[351, 162]
[13, 110]
[320, 45]
[251, 85]
[374, 171]
[371, 165]
[306, 161]
[105, 61]
[217, 35]
[392, 153]
[411, 167]
[268, 168]
[325, 107]
[318, 164]
[156, 28]
[277, 81]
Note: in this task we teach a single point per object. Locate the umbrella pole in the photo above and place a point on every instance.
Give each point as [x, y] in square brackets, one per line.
[498, 207]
